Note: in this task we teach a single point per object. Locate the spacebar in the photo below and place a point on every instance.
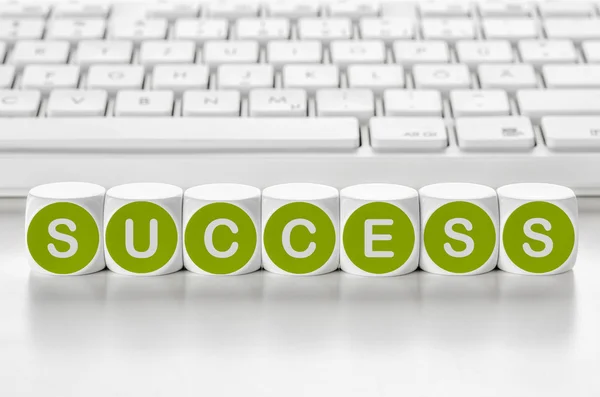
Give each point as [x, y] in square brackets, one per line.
[178, 134]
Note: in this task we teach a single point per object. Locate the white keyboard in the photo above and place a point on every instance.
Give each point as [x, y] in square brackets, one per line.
[340, 93]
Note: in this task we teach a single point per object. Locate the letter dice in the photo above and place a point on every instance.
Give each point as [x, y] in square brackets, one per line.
[300, 229]
[64, 228]
[459, 228]
[538, 226]
[380, 229]
[221, 224]
[143, 229]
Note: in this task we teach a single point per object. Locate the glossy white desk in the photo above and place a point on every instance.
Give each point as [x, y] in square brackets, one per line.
[265, 335]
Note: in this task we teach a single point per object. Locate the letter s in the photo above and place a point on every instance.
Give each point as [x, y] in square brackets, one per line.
[470, 244]
[55, 234]
[548, 243]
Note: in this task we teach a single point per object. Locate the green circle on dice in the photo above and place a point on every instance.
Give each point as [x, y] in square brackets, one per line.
[77, 230]
[223, 238]
[561, 234]
[324, 237]
[141, 213]
[438, 244]
[400, 245]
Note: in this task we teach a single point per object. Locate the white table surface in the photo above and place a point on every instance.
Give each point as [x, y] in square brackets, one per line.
[266, 335]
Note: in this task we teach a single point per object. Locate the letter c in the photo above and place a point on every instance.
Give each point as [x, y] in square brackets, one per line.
[286, 237]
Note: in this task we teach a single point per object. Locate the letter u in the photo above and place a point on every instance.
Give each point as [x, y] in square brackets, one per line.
[152, 246]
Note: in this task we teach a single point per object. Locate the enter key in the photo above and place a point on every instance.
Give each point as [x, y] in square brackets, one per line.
[572, 133]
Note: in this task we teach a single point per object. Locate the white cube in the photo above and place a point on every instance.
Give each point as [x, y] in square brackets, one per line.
[538, 225]
[142, 229]
[459, 224]
[300, 229]
[379, 229]
[63, 224]
[221, 229]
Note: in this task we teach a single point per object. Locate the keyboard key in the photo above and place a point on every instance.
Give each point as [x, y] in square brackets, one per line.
[23, 10]
[591, 51]
[221, 52]
[172, 11]
[280, 53]
[80, 9]
[409, 53]
[167, 52]
[245, 77]
[201, 30]
[511, 29]
[211, 104]
[21, 103]
[344, 52]
[293, 9]
[442, 77]
[508, 77]
[375, 77]
[7, 76]
[547, 51]
[575, 29]
[169, 134]
[47, 77]
[324, 30]
[447, 29]
[138, 30]
[77, 103]
[39, 52]
[494, 133]
[568, 9]
[572, 133]
[399, 9]
[113, 78]
[412, 103]
[103, 52]
[74, 30]
[506, 9]
[232, 9]
[311, 77]
[2, 51]
[179, 78]
[144, 103]
[353, 9]
[408, 134]
[571, 76]
[474, 53]
[467, 103]
[263, 29]
[12, 30]
[387, 29]
[278, 103]
[444, 9]
[346, 102]
[539, 103]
